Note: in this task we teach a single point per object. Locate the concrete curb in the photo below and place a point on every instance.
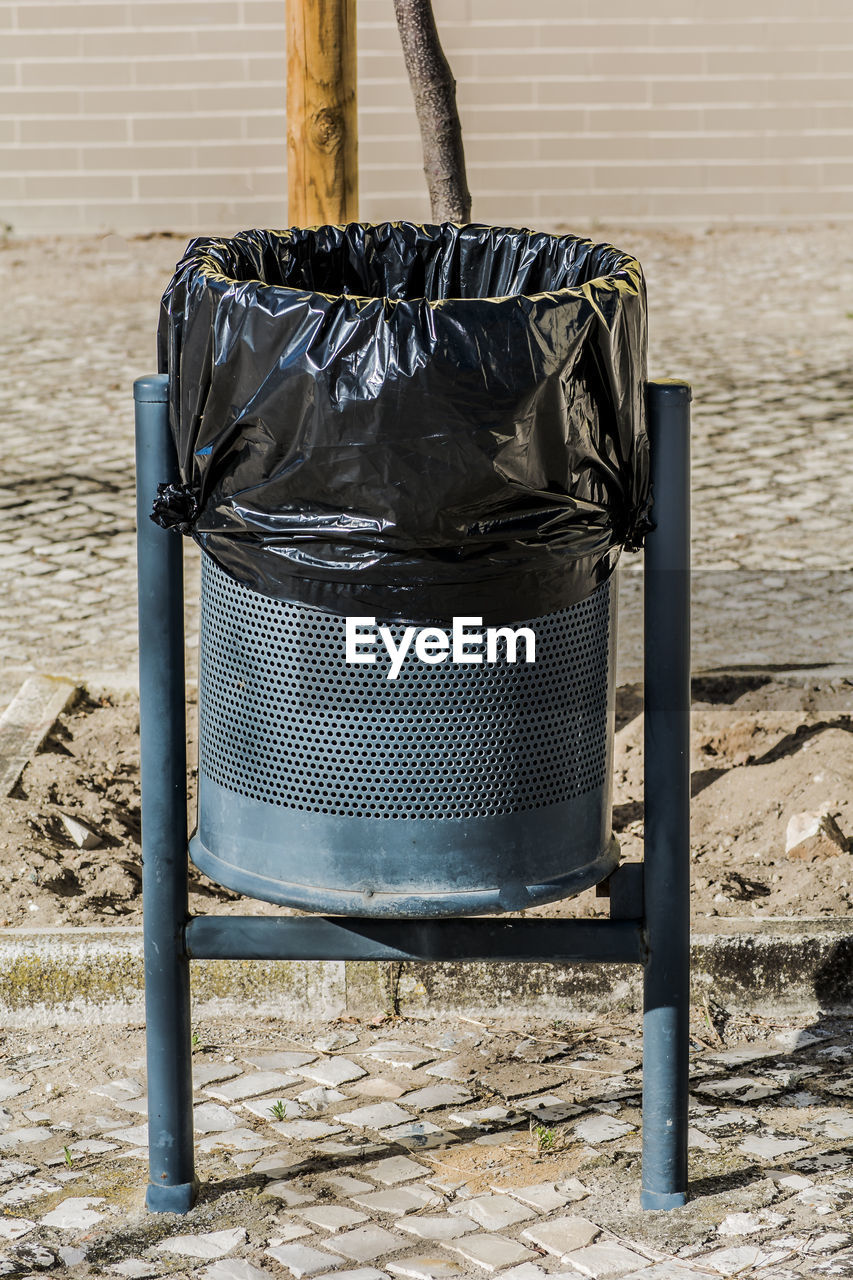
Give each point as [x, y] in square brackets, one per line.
[770, 967]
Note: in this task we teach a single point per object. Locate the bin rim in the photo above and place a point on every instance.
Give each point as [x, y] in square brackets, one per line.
[626, 272]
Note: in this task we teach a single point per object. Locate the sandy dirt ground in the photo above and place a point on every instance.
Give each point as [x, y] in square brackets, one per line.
[764, 750]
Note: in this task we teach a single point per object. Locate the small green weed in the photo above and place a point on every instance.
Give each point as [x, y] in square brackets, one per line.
[544, 1139]
[69, 1159]
[278, 1110]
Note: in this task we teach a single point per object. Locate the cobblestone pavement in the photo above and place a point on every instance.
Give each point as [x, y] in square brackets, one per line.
[758, 320]
[430, 1150]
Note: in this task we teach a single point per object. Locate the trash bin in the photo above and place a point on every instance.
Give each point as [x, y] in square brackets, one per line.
[411, 456]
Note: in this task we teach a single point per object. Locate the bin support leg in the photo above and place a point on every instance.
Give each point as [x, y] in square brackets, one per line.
[666, 1007]
[172, 1183]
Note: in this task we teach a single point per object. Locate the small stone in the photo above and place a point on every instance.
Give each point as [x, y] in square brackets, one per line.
[32, 1189]
[837, 1124]
[485, 1117]
[499, 1139]
[378, 1087]
[672, 1269]
[366, 1243]
[795, 1038]
[743, 1088]
[136, 1136]
[288, 1060]
[71, 1255]
[277, 1165]
[440, 1227]
[235, 1140]
[136, 1106]
[12, 1169]
[379, 1116]
[119, 1089]
[770, 1148]
[526, 1271]
[133, 1268]
[104, 1124]
[739, 1054]
[210, 1117]
[415, 1130]
[531, 1050]
[814, 836]
[90, 1147]
[452, 1069]
[726, 1122]
[427, 1268]
[12, 1088]
[542, 1196]
[83, 836]
[334, 1040]
[234, 1269]
[398, 1054]
[288, 1231]
[207, 1245]
[332, 1217]
[602, 1129]
[251, 1086]
[549, 1107]
[22, 1138]
[828, 1242]
[399, 1200]
[307, 1130]
[14, 1228]
[491, 1252]
[605, 1261]
[790, 1181]
[319, 1098]
[300, 1260]
[696, 1140]
[437, 1095]
[352, 1148]
[572, 1188]
[75, 1213]
[730, 1261]
[34, 1255]
[293, 1197]
[332, 1071]
[396, 1169]
[345, 1185]
[494, 1212]
[362, 1273]
[209, 1072]
[743, 1224]
[562, 1235]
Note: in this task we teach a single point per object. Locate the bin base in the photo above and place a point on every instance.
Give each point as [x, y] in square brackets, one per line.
[175, 1199]
[412, 868]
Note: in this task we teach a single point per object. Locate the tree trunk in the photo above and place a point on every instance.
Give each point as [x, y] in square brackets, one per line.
[434, 90]
[322, 127]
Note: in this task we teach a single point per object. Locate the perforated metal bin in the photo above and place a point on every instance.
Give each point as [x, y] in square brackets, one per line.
[454, 789]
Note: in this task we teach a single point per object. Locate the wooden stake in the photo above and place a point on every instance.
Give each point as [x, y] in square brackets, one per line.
[322, 127]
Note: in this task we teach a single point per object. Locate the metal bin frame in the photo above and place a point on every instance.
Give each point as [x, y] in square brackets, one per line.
[649, 920]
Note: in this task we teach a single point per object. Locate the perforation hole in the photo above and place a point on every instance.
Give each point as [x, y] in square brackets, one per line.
[284, 720]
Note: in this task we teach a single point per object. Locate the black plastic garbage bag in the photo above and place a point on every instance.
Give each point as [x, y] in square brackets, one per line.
[416, 421]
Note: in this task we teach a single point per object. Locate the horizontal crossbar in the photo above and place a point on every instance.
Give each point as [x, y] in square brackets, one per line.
[352, 938]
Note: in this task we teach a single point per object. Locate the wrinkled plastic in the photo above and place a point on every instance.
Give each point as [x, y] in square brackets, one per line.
[411, 421]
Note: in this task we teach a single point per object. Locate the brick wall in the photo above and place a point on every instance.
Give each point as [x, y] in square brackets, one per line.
[141, 115]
